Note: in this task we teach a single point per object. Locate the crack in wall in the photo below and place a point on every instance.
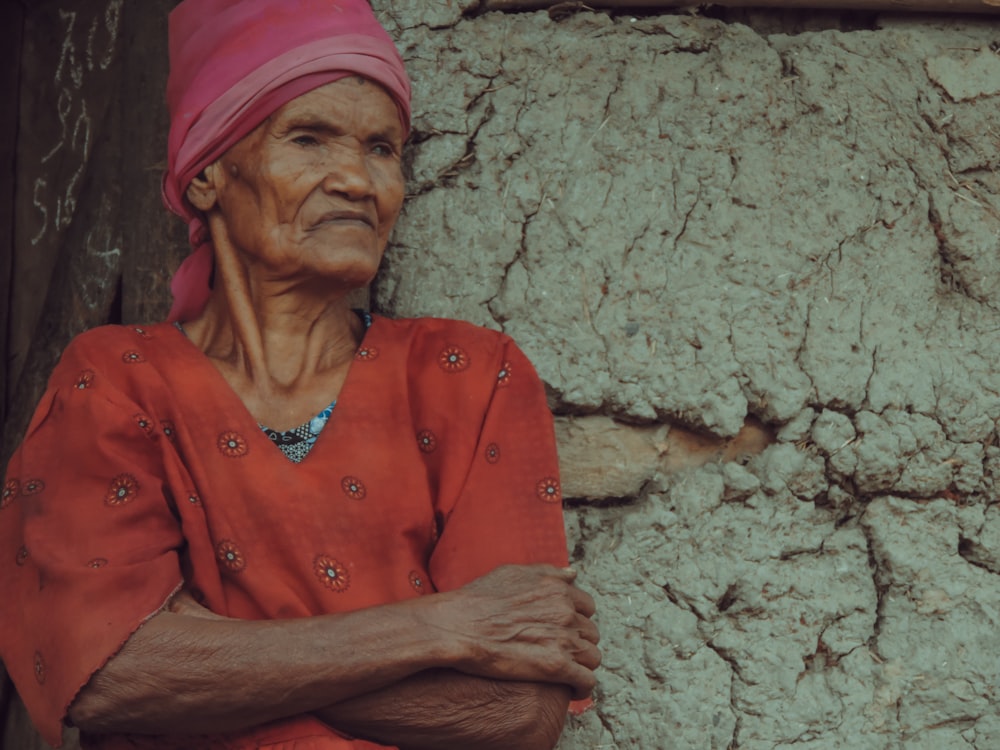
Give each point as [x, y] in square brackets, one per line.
[882, 584]
[734, 680]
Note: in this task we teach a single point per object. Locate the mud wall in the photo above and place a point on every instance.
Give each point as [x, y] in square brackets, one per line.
[768, 244]
[754, 256]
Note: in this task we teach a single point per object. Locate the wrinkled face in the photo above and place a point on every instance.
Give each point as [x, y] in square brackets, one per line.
[314, 191]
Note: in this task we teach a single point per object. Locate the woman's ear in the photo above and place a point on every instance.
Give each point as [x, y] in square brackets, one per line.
[201, 193]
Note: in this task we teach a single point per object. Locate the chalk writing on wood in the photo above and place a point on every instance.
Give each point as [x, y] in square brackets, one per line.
[78, 60]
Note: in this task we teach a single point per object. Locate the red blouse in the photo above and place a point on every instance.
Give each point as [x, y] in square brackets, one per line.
[142, 469]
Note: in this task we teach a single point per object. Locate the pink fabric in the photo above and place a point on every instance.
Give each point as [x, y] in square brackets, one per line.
[233, 63]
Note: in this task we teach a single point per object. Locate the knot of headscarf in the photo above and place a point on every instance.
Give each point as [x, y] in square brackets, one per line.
[235, 62]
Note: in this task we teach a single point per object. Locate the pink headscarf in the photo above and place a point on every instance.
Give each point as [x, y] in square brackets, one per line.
[232, 64]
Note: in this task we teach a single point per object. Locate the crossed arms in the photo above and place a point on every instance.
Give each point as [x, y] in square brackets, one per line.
[491, 665]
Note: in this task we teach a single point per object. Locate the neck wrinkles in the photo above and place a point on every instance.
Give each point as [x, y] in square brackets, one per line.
[275, 336]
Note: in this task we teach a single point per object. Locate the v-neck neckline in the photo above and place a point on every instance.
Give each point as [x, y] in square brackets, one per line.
[237, 407]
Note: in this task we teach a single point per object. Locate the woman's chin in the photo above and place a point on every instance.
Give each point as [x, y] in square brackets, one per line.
[346, 267]
[343, 276]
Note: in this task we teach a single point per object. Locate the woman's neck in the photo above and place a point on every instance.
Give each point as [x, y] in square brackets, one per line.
[285, 353]
[283, 343]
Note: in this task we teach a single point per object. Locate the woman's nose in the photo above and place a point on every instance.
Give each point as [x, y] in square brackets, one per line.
[347, 172]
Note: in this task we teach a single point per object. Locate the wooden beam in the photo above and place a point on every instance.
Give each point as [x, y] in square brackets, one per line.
[904, 6]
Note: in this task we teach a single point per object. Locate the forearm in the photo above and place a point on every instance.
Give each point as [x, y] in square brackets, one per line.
[446, 710]
[192, 674]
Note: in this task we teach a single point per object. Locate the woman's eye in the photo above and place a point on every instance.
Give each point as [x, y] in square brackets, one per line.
[383, 149]
[304, 140]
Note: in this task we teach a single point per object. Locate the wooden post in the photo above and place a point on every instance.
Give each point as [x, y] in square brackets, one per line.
[67, 214]
[11, 27]
[923, 6]
[62, 274]
[154, 241]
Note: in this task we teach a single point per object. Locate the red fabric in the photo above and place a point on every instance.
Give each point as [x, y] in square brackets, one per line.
[142, 469]
[232, 64]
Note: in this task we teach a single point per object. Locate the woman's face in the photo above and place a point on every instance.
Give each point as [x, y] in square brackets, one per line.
[314, 191]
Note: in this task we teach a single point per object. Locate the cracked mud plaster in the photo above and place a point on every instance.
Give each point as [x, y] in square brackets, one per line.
[687, 223]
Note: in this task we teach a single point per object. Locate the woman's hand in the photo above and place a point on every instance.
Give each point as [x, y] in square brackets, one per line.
[523, 622]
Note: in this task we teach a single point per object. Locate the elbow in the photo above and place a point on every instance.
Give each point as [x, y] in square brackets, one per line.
[88, 712]
[542, 736]
[103, 707]
[543, 716]
[547, 730]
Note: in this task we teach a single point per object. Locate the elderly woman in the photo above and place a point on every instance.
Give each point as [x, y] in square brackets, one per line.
[275, 521]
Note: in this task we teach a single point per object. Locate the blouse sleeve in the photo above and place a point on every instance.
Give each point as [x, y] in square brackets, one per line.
[88, 538]
[509, 508]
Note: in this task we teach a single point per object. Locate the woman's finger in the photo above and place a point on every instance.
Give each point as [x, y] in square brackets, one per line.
[583, 602]
[588, 630]
[588, 655]
[582, 681]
